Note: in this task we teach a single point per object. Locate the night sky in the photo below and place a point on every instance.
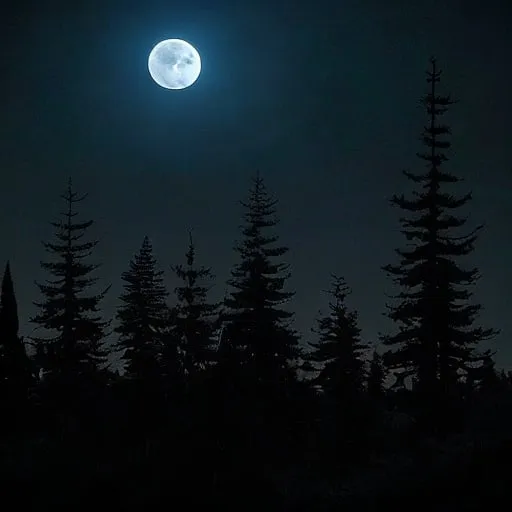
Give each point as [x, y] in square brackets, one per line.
[321, 97]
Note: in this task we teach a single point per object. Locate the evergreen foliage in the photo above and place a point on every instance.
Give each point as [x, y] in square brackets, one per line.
[340, 351]
[195, 320]
[16, 375]
[258, 330]
[73, 355]
[142, 316]
[437, 338]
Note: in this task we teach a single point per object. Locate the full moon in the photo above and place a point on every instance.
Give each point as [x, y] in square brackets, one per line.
[174, 64]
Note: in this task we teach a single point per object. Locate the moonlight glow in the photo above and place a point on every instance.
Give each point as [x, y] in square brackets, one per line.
[174, 64]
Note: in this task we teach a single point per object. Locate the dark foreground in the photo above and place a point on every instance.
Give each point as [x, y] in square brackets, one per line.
[467, 470]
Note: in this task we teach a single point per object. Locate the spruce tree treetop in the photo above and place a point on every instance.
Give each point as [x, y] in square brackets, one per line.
[15, 366]
[70, 312]
[257, 326]
[339, 350]
[142, 315]
[195, 320]
[437, 337]
[9, 306]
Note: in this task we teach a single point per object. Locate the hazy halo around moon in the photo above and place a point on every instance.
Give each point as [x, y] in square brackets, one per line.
[174, 64]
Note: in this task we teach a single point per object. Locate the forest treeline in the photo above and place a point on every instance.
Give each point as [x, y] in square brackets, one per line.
[212, 406]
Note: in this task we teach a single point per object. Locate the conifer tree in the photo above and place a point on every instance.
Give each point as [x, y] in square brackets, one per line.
[258, 332]
[15, 366]
[376, 377]
[195, 320]
[73, 355]
[437, 337]
[142, 316]
[339, 350]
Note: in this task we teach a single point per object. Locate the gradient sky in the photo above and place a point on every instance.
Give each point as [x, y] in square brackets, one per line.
[321, 97]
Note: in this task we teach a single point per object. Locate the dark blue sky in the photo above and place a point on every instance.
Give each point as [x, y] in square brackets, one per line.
[321, 97]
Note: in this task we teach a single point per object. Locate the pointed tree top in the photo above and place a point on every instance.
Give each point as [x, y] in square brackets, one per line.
[7, 284]
[434, 74]
[7, 271]
[191, 249]
[71, 196]
[258, 182]
[8, 304]
[340, 285]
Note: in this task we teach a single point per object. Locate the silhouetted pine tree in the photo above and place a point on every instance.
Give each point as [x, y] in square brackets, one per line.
[339, 350]
[257, 328]
[15, 366]
[340, 353]
[189, 358]
[142, 316]
[376, 377]
[436, 338]
[195, 320]
[72, 359]
[258, 347]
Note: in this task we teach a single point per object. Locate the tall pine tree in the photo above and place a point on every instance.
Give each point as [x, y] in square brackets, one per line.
[436, 338]
[195, 319]
[142, 316]
[73, 355]
[339, 351]
[15, 366]
[258, 330]
[340, 354]
[258, 348]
